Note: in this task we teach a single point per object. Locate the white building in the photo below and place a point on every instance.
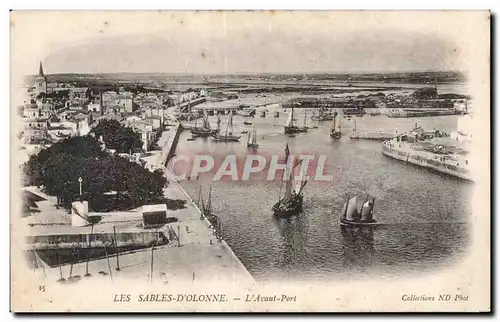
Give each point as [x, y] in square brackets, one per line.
[94, 107]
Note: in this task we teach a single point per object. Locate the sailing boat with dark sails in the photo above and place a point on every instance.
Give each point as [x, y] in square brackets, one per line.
[290, 128]
[356, 213]
[228, 136]
[335, 130]
[291, 202]
[252, 139]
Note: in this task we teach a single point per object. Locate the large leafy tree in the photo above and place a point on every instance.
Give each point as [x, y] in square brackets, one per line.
[58, 168]
[118, 137]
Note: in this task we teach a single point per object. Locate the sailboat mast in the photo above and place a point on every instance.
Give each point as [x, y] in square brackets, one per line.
[210, 201]
[227, 125]
[288, 174]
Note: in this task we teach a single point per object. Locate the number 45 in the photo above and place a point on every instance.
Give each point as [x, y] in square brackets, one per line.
[41, 288]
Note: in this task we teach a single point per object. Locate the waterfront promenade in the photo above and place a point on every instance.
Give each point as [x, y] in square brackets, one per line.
[194, 256]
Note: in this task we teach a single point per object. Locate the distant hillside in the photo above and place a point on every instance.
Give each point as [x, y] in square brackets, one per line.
[162, 79]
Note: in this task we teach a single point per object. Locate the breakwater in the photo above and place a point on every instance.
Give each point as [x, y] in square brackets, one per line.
[171, 143]
[380, 136]
[184, 107]
[449, 165]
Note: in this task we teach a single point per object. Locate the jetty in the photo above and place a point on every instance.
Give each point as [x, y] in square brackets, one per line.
[428, 155]
[378, 136]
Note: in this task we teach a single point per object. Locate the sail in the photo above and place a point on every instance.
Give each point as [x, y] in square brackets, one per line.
[344, 210]
[352, 211]
[289, 120]
[337, 129]
[249, 139]
[206, 125]
[367, 211]
[230, 124]
[254, 136]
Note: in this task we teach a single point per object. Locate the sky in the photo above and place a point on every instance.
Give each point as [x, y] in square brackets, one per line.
[243, 42]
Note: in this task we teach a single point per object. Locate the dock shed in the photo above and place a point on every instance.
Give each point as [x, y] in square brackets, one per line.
[154, 215]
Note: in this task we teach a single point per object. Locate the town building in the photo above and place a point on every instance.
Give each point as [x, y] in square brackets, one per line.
[40, 82]
[35, 130]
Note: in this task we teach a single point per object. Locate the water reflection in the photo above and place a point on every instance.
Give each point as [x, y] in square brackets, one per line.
[357, 246]
[292, 231]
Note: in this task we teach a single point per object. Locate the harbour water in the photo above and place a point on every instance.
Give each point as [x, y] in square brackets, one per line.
[423, 215]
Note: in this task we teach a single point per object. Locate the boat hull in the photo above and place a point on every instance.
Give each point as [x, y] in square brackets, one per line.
[294, 129]
[335, 135]
[288, 213]
[203, 132]
[290, 208]
[345, 222]
[252, 145]
[227, 138]
[322, 118]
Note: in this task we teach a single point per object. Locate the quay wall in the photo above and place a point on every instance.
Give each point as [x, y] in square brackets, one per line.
[193, 204]
[426, 160]
[172, 141]
[184, 106]
[99, 239]
[380, 136]
[171, 146]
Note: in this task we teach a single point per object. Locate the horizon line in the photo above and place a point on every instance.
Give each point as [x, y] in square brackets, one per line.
[257, 74]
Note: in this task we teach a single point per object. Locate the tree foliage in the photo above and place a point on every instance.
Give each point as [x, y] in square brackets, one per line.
[118, 137]
[58, 168]
[425, 93]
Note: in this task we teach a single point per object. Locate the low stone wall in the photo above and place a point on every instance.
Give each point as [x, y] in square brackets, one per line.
[430, 161]
[82, 240]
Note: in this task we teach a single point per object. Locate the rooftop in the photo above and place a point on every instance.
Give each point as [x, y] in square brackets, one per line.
[154, 208]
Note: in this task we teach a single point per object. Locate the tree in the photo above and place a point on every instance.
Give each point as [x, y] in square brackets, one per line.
[58, 168]
[425, 93]
[118, 137]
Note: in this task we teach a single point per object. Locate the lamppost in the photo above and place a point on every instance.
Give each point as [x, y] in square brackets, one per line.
[80, 182]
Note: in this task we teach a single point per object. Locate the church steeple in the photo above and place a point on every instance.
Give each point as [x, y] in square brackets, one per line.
[40, 82]
[40, 70]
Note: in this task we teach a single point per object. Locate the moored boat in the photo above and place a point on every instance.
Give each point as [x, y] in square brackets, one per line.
[205, 130]
[335, 130]
[252, 139]
[290, 128]
[228, 136]
[321, 116]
